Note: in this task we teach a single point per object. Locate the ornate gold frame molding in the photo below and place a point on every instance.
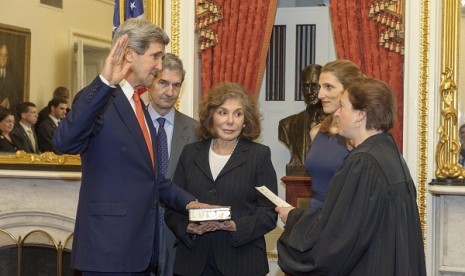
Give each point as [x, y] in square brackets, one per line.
[423, 114]
[448, 170]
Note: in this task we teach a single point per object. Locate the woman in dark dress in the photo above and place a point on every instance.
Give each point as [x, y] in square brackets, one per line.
[369, 223]
[329, 148]
[7, 123]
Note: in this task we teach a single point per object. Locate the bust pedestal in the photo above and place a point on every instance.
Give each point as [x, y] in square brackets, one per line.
[298, 190]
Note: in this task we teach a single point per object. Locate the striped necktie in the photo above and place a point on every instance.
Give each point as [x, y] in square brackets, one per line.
[162, 144]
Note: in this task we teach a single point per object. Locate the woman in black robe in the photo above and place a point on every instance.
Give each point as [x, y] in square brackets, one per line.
[369, 223]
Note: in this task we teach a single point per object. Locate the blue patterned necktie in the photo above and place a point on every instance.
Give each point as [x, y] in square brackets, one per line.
[162, 147]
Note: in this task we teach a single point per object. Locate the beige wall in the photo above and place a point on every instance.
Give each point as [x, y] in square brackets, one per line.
[50, 41]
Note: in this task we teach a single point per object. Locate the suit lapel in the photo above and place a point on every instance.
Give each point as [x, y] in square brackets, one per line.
[178, 141]
[128, 117]
[201, 158]
[238, 158]
[26, 137]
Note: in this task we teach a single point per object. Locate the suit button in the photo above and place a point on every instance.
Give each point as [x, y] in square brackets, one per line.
[213, 191]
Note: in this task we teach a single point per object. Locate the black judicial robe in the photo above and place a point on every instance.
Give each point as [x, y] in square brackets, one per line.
[369, 223]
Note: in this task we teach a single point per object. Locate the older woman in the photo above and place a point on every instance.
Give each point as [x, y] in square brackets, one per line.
[369, 222]
[7, 123]
[224, 169]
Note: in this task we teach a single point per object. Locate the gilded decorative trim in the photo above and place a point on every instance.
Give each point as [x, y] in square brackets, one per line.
[175, 33]
[155, 12]
[46, 158]
[448, 148]
[423, 114]
[175, 26]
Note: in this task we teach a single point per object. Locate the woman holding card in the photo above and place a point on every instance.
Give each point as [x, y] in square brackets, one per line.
[224, 170]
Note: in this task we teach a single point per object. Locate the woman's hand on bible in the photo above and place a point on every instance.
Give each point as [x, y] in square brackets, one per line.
[227, 225]
[201, 228]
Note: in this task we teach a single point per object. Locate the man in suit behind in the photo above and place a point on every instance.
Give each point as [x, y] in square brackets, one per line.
[180, 131]
[59, 92]
[23, 132]
[116, 230]
[48, 126]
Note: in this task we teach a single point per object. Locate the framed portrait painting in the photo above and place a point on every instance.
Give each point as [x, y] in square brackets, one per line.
[15, 49]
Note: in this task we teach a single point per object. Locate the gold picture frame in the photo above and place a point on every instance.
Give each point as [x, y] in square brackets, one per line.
[15, 45]
[448, 170]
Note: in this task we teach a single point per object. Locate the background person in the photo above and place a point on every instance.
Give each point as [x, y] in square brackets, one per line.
[23, 132]
[180, 131]
[369, 223]
[115, 231]
[224, 169]
[462, 145]
[59, 92]
[328, 148]
[48, 126]
[7, 122]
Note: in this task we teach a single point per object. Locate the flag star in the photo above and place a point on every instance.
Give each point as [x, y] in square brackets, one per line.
[133, 5]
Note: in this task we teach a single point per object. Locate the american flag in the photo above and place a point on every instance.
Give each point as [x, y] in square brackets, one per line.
[125, 9]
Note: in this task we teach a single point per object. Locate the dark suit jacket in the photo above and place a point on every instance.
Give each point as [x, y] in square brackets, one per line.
[45, 135]
[183, 134]
[22, 139]
[7, 146]
[118, 204]
[236, 253]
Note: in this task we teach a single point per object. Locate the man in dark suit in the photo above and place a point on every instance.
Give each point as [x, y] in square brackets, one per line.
[180, 131]
[23, 132]
[59, 92]
[48, 126]
[116, 230]
[9, 87]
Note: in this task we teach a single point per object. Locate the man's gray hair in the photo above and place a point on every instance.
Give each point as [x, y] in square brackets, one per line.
[141, 33]
[173, 63]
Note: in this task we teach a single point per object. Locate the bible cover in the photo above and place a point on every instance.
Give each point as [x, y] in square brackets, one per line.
[210, 214]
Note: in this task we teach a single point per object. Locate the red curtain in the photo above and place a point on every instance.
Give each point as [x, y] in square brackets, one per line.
[243, 38]
[356, 38]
